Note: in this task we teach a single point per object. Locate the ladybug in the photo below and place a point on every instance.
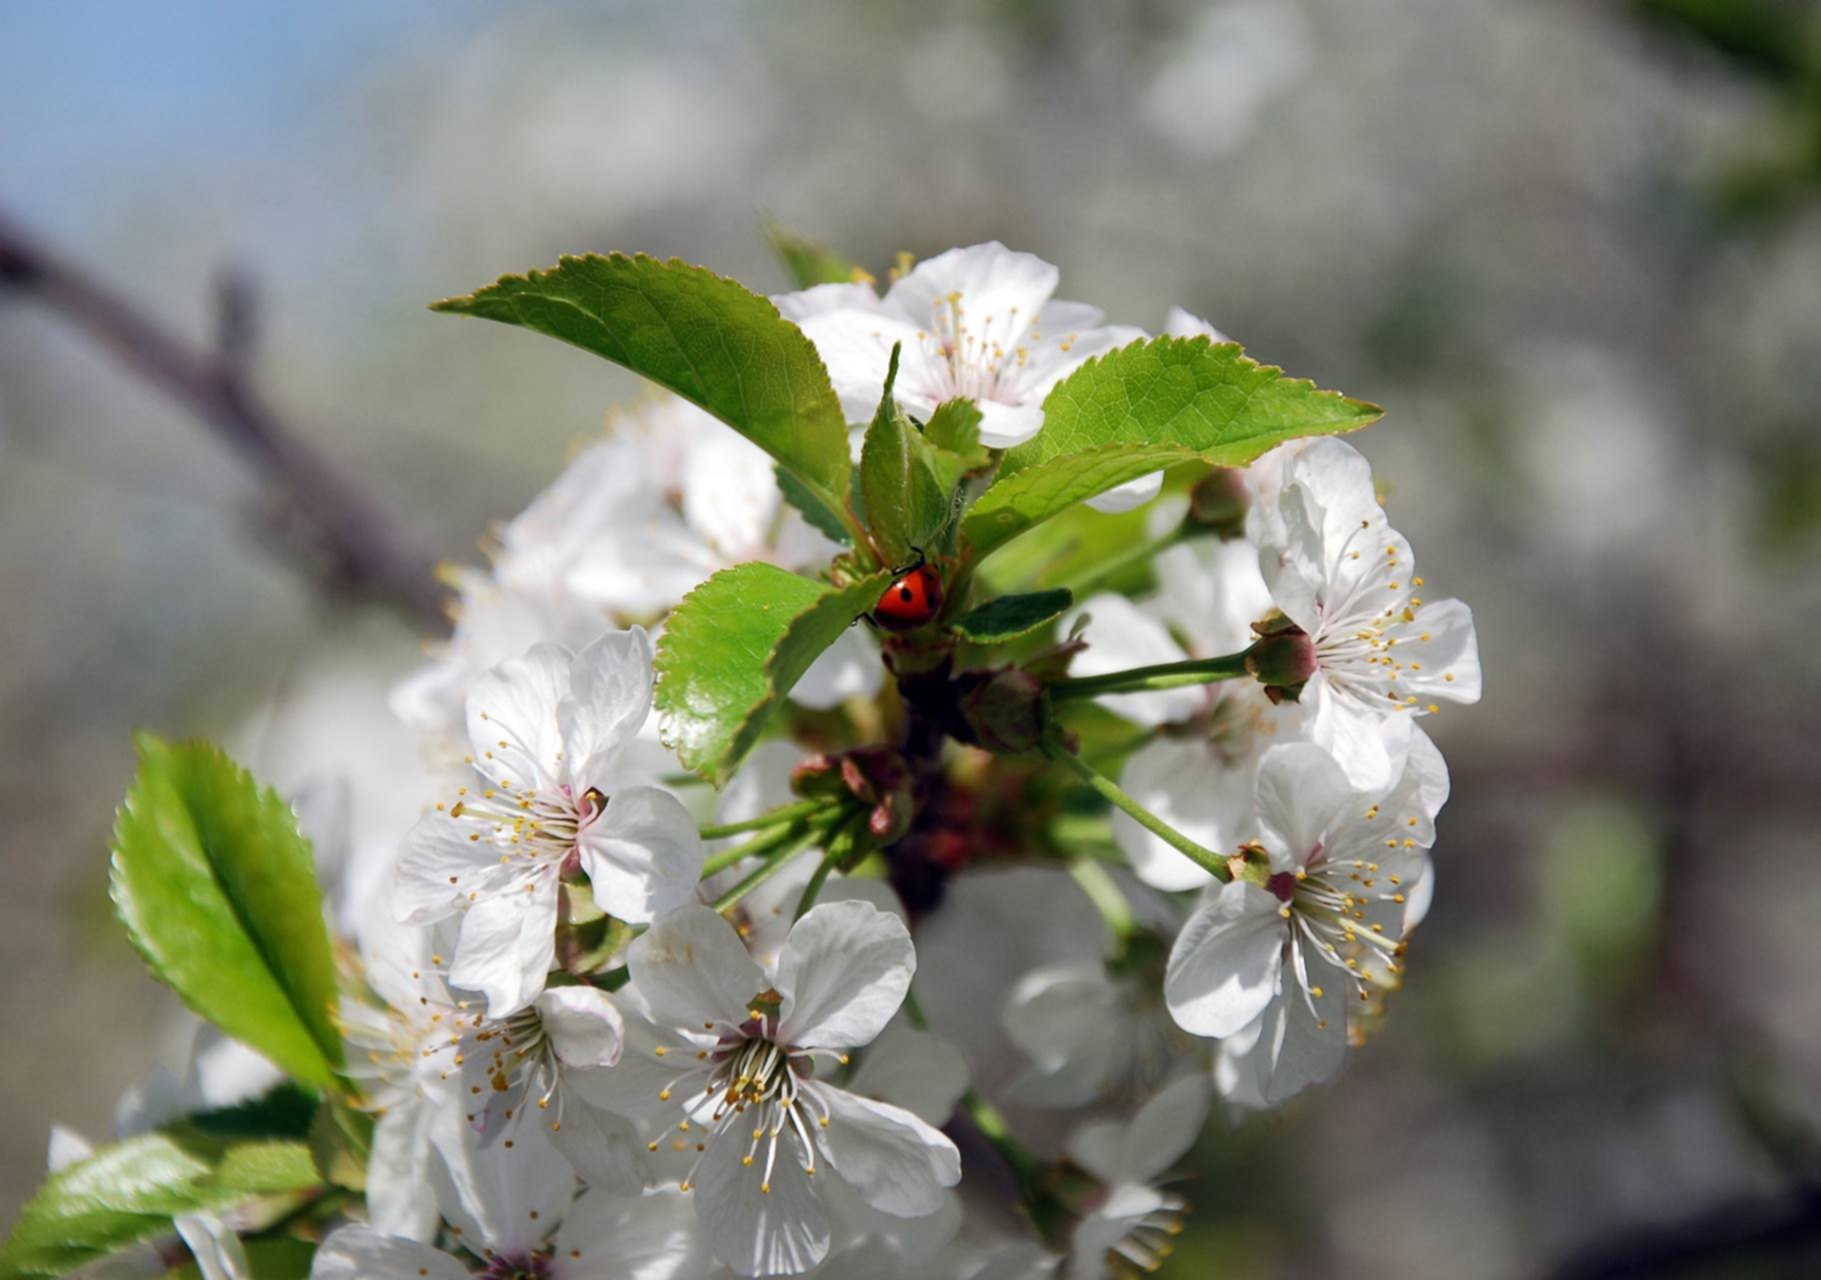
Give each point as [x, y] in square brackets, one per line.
[912, 599]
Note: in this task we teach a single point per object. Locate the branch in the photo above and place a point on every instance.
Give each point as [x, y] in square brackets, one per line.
[360, 544]
[1728, 1240]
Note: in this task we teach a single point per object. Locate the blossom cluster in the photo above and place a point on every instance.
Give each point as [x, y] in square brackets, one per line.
[608, 1023]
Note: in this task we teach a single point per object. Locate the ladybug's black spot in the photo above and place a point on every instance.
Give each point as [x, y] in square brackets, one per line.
[905, 594]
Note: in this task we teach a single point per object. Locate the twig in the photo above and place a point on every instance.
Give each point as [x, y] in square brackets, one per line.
[361, 546]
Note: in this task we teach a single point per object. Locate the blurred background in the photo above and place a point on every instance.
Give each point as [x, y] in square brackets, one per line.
[1574, 247]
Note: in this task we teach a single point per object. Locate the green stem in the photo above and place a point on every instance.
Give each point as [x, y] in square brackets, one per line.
[751, 849]
[775, 818]
[799, 839]
[1206, 859]
[1165, 675]
[1097, 882]
[993, 1128]
[1085, 583]
[813, 889]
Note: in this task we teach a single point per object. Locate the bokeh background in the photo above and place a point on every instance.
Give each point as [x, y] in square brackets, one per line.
[1574, 246]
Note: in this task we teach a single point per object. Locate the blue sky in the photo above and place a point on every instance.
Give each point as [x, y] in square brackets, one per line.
[96, 97]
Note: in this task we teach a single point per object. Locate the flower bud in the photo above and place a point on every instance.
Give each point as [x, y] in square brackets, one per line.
[1219, 502]
[1282, 658]
[1004, 711]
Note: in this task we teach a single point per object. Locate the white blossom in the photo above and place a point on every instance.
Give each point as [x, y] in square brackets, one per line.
[1270, 968]
[979, 323]
[742, 1059]
[547, 731]
[1336, 568]
[1130, 1223]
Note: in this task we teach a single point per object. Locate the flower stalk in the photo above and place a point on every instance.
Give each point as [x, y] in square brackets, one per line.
[1163, 675]
[1213, 863]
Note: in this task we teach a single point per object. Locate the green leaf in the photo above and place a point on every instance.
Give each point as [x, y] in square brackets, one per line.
[1009, 617]
[217, 890]
[811, 508]
[1202, 395]
[810, 262]
[1021, 501]
[277, 1258]
[341, 1140]
[955, 426]
[904, 505]
[706, 338]
[733, 650]
[131, 1191]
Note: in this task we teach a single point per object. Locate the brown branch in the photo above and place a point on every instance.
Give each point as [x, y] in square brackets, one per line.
[360, 546]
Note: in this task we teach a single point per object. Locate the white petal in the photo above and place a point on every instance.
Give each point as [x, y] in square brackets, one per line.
[1183, 324]
[1166, 1128]
[1443, 639]
[1368, 744]
[1133, 493]
[1223, 968]
[848, 668]
[692, 971]
[730, 496]
[400, 1199]
[1430, 771]
[218, 1252]
[635, 1085]
[1162, 1132]
[640, 1237]
[1066, 1019]
[506, 1192]
[843, 973]
[1302, 797]
[436, 866]
[780, 1232]
[357, 1252]
[856, 347]
[992, 280]
[516, 704]
[609, 700]
[643, 856]
[822, 298]
[506, 947]
[1303, 1048]
[584, 1025]
[913, 1069]
[896, 1162]
[604, 1149]
[67, 1147]
[1003, 426]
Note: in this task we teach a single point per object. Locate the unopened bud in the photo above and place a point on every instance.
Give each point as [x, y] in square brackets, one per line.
[1282, 658]
[1219, 502]
[1003, 710]
[818, 776]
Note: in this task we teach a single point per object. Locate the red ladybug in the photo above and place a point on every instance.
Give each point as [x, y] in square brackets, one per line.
[912, 599]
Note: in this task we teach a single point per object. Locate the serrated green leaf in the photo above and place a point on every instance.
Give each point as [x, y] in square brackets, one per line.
[1202, 395]
[217, 890]
[131, 1191]
[1009, 617]
[733, 650]
[810, 262]
[905, 506]
[1019, 502]
[811, 508]
[707, 338]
